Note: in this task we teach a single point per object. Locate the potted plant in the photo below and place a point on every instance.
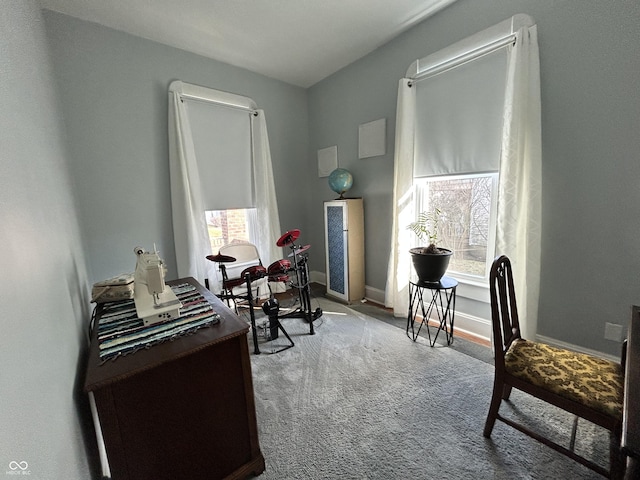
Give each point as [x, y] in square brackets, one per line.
[430, 262]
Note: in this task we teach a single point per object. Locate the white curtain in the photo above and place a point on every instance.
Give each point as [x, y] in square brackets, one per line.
[399, 267]
[519, 193]
[519, 198]
[190, 231]
[190, 234]
[266, 226]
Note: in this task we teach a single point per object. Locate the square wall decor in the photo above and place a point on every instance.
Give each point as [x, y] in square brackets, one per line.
[371, 138]
[327, 160]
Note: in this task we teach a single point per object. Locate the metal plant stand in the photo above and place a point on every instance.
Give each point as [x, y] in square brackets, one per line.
[441, 303]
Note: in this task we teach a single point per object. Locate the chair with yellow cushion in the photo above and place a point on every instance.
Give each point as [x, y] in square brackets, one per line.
[586, 386]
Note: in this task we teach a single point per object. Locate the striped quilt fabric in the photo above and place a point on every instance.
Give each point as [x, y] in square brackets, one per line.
[121, 332]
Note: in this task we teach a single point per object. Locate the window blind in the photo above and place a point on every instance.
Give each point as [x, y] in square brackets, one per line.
[222, 144]
[459, 117]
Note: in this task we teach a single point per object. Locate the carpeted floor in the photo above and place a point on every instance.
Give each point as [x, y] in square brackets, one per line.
[360, 400]
[459, 344]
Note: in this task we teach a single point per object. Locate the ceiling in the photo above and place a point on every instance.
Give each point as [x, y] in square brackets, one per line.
[296, 41]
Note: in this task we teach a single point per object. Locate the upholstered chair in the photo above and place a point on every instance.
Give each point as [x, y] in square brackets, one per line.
[584, 385]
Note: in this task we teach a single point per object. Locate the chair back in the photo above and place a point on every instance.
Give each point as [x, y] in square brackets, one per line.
[504, 311]
[246, 255]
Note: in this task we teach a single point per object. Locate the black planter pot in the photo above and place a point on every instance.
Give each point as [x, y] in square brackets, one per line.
[430, 267]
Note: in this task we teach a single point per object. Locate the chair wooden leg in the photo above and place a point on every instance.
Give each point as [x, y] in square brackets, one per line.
[496, 399]
[617, 460]
[574, 431]
[506, 392]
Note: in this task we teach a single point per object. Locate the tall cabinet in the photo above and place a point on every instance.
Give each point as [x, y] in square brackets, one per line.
[344, 248]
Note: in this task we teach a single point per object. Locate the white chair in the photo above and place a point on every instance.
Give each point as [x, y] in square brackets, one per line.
[242, 277]
[246, 255]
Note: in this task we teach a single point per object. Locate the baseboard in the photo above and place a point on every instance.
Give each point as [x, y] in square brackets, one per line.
[475, 327]
[318, 277]
[371, 294]
[374, 295]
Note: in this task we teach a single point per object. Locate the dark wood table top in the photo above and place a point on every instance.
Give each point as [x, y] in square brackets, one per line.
[101, 374]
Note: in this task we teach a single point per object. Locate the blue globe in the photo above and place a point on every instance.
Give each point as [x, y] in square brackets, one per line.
[340, 180]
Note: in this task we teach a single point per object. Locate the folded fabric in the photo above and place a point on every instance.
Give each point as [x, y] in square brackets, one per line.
[121, 332]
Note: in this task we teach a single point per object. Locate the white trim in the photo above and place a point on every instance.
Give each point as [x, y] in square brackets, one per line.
[102, 450]
[205, 94]
[489, 40]
[318, 277]
[374, 295]
[429, 11]
[370, 293]
[472, 291]
[469, 324]
[472, 325]
[475, 326]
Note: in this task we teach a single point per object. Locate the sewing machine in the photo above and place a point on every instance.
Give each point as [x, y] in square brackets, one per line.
[155, 302]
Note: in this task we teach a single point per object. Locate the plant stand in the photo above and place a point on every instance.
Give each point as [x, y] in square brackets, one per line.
[442, 304]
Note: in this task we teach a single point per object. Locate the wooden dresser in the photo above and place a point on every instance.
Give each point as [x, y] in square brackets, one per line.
[183, 409]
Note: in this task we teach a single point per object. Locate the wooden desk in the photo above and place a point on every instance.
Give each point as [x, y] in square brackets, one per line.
[631, 407]
[183, 409]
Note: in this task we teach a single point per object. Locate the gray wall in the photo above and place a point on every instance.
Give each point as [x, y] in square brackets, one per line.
[591, 165]
[44, 294]
[83, 179]
[113, 90]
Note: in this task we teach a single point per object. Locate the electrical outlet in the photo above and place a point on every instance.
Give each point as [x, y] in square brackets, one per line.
[613, 331]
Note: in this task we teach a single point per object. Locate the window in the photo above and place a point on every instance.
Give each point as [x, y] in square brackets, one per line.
[468, 109]
[467, 224]
[221, 133]
[227, 226]
[219, 160]
[459, 121]
[222, 147]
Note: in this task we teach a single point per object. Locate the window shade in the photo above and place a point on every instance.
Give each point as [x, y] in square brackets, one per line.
[459, 118]
[222, 144]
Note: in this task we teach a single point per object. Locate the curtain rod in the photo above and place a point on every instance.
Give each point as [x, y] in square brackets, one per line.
[183, 97]
[208, 95]
[469, 48]
[463, 58]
